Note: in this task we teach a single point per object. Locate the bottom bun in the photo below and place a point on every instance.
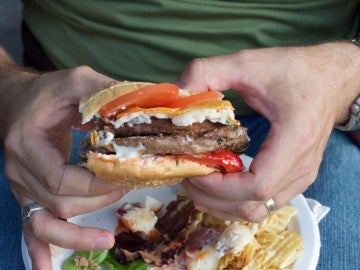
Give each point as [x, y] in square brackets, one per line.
[151, 171]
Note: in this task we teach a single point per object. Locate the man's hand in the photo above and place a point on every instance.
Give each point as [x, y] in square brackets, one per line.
[303, 92]
[38, 114]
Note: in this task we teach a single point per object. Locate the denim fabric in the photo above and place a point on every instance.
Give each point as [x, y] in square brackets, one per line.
[337, 186]
[10, 225]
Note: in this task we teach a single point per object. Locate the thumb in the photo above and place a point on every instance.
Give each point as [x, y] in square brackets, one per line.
[206, 74]
[79, 82]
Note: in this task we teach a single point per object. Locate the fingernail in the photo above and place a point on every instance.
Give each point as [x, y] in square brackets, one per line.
[102, 243]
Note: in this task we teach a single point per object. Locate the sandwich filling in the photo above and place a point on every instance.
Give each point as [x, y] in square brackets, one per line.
[191, 130]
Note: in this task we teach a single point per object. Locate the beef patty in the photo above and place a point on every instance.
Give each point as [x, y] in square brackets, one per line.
[162, 137]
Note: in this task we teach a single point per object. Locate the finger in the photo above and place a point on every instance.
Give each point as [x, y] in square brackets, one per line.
[83, 78]
[223, 209]
[46, 227]
[78, 181]
[39, 251]
[252, 211]
[75, 181]
[62, 178]
[56, 112]
[207, 74]
[234, 186]
[68, 206]
[268, 173]
[287, 154]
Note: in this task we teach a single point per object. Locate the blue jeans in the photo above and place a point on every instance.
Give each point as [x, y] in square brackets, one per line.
[337, 186]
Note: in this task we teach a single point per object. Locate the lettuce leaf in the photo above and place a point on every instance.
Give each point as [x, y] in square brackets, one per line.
[104, 258]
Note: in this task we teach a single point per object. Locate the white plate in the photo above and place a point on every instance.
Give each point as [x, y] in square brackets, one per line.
[304, 223]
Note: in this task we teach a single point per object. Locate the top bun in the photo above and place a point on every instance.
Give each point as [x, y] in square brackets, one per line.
[90, 105]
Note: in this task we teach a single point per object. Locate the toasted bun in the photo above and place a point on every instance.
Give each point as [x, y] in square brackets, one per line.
[90, 105]
[144, 172]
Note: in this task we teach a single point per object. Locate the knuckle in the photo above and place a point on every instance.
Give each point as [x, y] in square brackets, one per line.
[10, 169]
[53, 183]
[83, 69]
[11, 143]
[197, 65]
[52, 186]
[263, 191]
[303, 188]
[257, 216]
[242, 56]
[10, 172]
[62, 209]
[80, 72]
[252, 213]
[38, 228]
[307, 181]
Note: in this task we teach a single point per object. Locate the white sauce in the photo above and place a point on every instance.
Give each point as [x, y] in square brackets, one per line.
[127, 151]
[199, 116]
[105, 137]
[196, 116]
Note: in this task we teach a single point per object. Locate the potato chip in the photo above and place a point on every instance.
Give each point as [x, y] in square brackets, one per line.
[225, 261]
[272, 248]
[277, 251]
[287, 249]
[279, 220]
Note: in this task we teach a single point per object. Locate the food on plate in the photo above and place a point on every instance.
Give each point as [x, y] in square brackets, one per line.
[146, 134]
[177, 236]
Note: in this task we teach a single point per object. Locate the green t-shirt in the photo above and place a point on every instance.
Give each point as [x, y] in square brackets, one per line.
[152, 40]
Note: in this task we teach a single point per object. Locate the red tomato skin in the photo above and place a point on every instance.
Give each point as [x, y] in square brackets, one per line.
[195, 99]
[223, 160]
[155, 95]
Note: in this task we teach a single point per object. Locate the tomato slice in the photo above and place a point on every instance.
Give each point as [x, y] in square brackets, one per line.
[195, 99]
[155, 95]
[225, 161]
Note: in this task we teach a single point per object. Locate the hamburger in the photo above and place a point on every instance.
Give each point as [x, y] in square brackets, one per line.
[152, 134]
